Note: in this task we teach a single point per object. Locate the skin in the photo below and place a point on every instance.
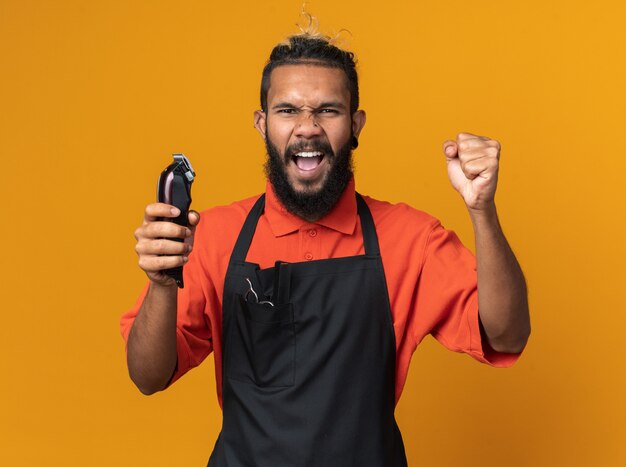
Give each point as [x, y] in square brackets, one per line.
[473, 163]
[309, 103]
[151, 350]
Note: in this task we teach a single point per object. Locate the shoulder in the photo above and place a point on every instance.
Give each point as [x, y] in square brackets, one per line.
[400, 218]
[402, 227]
[220, 225]
[235, 212]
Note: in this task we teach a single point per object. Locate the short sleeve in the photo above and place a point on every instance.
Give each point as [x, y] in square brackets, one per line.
[448, 293]
[193, 332]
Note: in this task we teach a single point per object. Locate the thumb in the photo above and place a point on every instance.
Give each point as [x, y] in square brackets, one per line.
[450, 149]
[194, 218]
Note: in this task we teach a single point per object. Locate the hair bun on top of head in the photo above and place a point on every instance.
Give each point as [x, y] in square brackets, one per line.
[312, 46]
[310, 33]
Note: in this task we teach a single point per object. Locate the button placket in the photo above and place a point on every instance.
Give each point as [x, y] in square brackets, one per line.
[310, 242]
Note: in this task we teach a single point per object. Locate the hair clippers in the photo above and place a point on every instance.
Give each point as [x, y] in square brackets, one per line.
[175, 188]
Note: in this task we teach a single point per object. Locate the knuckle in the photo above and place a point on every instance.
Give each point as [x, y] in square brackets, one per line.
[142, 263]
[154, 229]
[159, 229]
[160, 246]
[160, 262]
[148, 230]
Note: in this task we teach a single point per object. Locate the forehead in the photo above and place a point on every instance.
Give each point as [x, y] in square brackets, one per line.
[307, 82]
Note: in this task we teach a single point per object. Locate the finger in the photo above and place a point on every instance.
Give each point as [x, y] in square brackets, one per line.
[194, 218]
[155, 210]
[472, 143]
[160, 263]
[450, 149]
[489, 152]
[165, 229]
[463, 136]
[162, 246]
[473, 168]
[189, 243]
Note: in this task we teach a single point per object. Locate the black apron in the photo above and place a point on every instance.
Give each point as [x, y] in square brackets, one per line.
[309, 377]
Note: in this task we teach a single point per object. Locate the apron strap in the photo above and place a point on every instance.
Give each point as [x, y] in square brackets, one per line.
[370, 239]
[240, 251]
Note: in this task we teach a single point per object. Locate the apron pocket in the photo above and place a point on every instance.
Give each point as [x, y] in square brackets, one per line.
[262, 345]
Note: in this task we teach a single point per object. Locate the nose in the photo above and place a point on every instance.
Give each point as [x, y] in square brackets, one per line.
[307, 126]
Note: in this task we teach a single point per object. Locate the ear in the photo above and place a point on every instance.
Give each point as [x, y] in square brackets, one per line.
[358, 122]
[260, 122]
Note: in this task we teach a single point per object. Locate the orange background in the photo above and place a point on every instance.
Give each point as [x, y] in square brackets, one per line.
[95, 96]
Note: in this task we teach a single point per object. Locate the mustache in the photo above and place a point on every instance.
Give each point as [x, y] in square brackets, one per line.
[310, 146]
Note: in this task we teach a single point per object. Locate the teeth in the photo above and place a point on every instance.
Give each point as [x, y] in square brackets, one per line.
[309, 154]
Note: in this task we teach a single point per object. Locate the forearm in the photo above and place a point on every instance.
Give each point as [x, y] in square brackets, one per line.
[152, 340]
[502, 294]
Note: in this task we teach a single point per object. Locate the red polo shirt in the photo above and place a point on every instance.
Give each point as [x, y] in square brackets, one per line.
[431, 276]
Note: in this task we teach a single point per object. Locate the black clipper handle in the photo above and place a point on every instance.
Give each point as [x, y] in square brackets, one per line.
[175, 188]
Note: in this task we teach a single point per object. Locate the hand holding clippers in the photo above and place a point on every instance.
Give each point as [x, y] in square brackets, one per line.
[174, 188]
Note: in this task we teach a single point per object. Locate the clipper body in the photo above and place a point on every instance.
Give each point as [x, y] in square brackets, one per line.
[175, 188]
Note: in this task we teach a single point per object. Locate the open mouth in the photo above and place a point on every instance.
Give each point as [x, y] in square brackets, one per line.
[308, 160]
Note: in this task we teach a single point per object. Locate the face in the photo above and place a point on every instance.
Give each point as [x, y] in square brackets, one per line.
[308, 130]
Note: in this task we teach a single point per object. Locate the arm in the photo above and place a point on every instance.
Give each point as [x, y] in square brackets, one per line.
[502, 296]
[151, 351]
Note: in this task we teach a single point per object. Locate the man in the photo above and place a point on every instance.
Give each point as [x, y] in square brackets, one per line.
[312, 297]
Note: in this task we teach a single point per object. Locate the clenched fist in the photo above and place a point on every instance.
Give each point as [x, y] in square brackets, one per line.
[155, 248]
[473, 168]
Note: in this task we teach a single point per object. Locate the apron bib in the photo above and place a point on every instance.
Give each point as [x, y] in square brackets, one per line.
[309, 360]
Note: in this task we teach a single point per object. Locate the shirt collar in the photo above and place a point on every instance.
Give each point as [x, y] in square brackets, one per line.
[341, 218]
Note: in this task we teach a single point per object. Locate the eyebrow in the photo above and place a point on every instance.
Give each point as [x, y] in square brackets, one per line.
[335, 104]
[323, 105]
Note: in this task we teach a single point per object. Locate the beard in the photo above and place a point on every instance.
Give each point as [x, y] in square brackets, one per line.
[310, 204]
